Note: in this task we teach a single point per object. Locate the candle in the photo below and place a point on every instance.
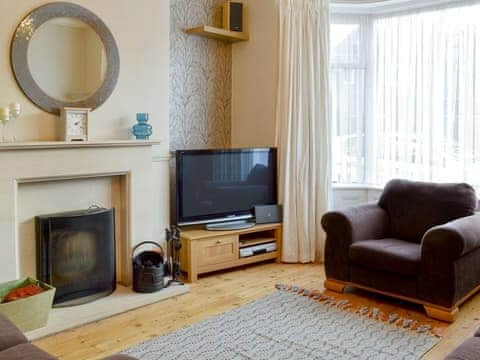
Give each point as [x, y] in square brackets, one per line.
[4, 114]
[15, 110]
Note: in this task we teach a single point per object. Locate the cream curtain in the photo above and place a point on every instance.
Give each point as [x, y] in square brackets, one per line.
[405, 98]
[303, 135]
[426, 108]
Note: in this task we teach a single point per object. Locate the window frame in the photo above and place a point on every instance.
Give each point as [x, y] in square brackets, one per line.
[370, 140]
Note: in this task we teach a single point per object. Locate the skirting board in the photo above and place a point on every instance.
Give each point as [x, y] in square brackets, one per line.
[122, 300]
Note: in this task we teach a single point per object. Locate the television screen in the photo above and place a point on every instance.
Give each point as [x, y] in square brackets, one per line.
[218, 184]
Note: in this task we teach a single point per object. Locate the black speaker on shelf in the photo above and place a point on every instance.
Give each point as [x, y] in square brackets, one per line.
[233, 16]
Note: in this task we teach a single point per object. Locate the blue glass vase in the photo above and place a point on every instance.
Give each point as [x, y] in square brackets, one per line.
[142, 130]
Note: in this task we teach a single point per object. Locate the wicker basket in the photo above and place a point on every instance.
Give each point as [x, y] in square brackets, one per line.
[29, 313]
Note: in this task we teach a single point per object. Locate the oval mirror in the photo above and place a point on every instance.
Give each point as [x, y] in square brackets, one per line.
[63, 55]
[67, 59]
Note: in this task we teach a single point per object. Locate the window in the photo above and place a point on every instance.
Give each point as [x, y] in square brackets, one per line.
[348, 93]
[406, 96]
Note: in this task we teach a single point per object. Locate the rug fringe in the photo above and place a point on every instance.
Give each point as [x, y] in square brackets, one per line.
[370, 312]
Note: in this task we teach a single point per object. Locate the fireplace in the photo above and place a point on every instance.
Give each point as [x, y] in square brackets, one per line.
[76, 254]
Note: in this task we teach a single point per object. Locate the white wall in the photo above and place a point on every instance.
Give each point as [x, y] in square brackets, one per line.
[141, 30]
[254, 84]
[345, 196]
[254, 77]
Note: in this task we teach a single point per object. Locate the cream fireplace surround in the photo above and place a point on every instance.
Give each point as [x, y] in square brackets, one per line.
[127, 163]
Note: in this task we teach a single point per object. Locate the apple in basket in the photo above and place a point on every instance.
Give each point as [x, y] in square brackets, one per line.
[23, 292]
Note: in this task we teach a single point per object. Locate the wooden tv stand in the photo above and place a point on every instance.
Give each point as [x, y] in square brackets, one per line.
[204, 251]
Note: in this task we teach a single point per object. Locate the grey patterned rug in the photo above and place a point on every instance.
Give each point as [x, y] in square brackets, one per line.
[285, 325]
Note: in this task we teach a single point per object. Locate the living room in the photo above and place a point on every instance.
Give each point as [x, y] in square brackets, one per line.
[262, 179]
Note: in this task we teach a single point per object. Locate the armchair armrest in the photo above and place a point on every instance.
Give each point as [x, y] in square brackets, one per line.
[448, 268]
[452, 240]
[343, 227]
[364, 222]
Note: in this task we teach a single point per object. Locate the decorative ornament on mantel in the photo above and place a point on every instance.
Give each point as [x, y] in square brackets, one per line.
[15, 112]
[74, 123]
[4, 118]
[142, 130]
[8, 115]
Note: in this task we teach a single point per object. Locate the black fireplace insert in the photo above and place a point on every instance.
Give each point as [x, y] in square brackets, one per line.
[76, 254]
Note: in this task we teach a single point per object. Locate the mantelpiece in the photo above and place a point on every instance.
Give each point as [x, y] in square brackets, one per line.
[48, 177]
[32, 169]
[71, 145]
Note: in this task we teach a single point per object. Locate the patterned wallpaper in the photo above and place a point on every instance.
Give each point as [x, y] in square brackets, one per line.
[200, 78]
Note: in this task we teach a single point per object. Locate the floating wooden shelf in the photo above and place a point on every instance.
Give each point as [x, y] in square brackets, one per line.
[218, 33]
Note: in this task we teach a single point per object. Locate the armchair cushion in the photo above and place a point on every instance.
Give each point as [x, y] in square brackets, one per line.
[391, 255]
[414, 207]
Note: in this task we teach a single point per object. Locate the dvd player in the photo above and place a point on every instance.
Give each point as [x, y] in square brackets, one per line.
[258, 249]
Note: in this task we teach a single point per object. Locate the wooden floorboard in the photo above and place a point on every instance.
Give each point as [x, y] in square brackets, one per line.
[223, 291]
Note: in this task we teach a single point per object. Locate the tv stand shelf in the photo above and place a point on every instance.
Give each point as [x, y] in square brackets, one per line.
[205, 251]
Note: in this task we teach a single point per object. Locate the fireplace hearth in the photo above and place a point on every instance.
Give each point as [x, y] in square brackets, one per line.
[76, 254]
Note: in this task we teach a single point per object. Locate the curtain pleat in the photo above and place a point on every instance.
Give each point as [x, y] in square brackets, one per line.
[426, 108]
[303, 132]
[405, 95]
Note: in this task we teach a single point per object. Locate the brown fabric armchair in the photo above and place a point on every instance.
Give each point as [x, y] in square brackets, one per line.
[421, 242]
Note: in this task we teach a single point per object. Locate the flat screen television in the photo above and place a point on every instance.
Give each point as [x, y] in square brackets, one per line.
[223, 186]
